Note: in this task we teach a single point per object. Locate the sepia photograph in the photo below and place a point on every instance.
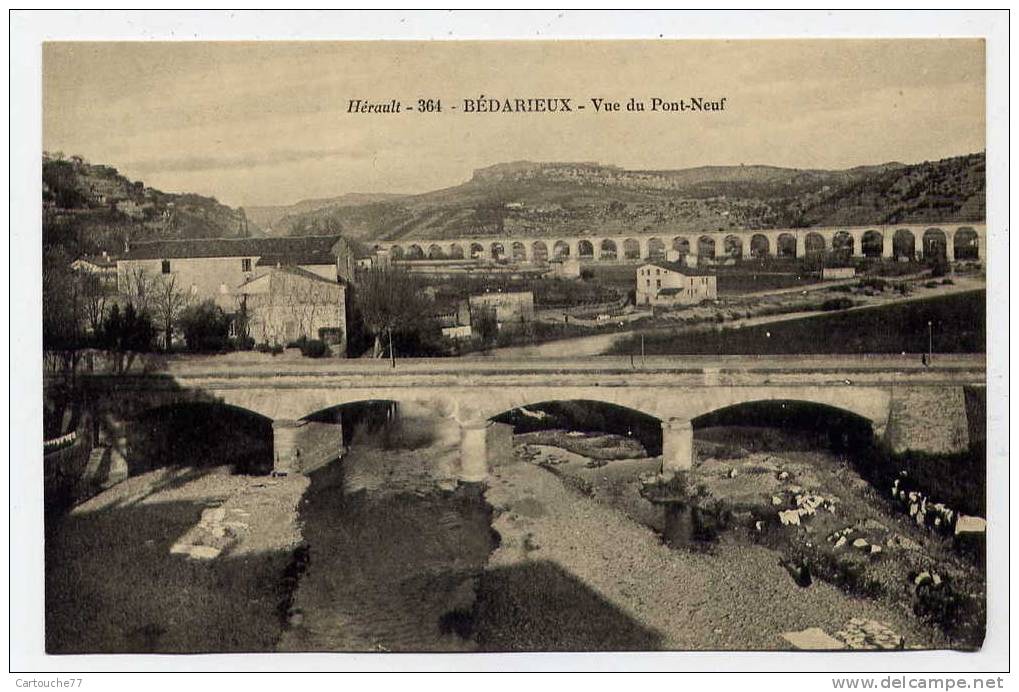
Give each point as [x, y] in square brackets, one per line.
[487, 347]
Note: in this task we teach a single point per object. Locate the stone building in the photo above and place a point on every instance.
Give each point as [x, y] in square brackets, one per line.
[510, 308]
[211, 268]
[287, 303]
[666, 283]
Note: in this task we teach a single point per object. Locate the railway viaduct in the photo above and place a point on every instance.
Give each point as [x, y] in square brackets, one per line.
[908, 406]
[956, 241]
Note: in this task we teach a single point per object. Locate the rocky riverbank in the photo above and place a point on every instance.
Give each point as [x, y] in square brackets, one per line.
[572, 524]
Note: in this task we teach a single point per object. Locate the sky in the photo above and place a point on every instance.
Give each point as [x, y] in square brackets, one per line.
[266, 123]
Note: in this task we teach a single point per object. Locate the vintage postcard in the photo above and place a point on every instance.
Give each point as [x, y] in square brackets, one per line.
[514, 346]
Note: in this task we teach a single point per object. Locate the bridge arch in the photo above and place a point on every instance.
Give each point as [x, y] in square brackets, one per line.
[759, 245]
[842, 244]
[966, 244]
[561, 249]
[656, 248]
[872, 244]
[786, 245]
[706, 246]
[396, 252]
[904, 244]
[814, 244]
[518, 251]
[843, 428]
[498, 251]
[456, 251]
[733, 246]
[608, 250]
[585, 249]
[414, 252]
[539, 251]
[435, 252]
[477, 250]
[585, 415]
[631, 249]
[196, 433]
[935, 244]
[681, 245]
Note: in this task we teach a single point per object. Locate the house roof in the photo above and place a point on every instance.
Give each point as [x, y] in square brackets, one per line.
[296, 271]
[106, 262]
[316, 249]
[679, 267]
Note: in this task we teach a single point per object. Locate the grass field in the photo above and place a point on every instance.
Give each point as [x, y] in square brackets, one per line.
[959, 326]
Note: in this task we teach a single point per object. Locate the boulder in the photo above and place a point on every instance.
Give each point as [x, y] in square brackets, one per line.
[813, 639]
[968, 524]
[789, 517]
[860, 543]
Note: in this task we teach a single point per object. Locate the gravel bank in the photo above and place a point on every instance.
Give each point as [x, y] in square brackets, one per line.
[572, 573]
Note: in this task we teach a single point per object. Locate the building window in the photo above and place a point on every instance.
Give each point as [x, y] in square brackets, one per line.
[166, 266]
[246, 264]
[658, 283]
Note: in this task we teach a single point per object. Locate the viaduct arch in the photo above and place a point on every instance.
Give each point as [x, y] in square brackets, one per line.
[952, 241]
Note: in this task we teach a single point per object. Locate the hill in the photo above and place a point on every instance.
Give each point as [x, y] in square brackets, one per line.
[542, 199]
[88, 208]
[267, 217]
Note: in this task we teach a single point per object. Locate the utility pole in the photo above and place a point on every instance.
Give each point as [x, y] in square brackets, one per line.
[643, 358]
[930, 342]
[392, 353]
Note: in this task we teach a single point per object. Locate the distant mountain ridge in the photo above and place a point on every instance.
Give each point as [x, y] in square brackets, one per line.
[548, 198]
[89, 208]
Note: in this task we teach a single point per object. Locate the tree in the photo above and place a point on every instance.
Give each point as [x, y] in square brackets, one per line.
[63, 320]
[94, 299]
[126, 334]
[205, 326]
[389, 298]
[167, 304]
[137, 286]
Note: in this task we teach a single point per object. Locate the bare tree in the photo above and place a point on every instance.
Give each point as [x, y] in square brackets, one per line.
[389, 298]
[94, 299]
[62, 310]
[137, 285]
[168, 301]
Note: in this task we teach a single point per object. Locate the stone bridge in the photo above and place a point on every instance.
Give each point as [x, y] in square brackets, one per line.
[908, 406]
[952, 241]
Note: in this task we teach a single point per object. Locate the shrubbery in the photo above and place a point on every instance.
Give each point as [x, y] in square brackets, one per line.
[310, 348]
[836, 304]
[206, 328]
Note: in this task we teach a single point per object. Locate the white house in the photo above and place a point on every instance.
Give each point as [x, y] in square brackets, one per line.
[215, 267]
[672, 283]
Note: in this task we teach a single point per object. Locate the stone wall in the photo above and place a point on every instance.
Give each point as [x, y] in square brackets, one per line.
[928, 419]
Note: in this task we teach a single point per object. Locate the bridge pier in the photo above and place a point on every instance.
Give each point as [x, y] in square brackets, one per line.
[677, 446]
[113, 434]
[474, 450]
[286, 452]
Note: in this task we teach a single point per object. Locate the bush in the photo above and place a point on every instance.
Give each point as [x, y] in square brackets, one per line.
[206, 328]
[947, 282]
[314, 348]
[274, 349]
[874, 282]
[836, 304]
